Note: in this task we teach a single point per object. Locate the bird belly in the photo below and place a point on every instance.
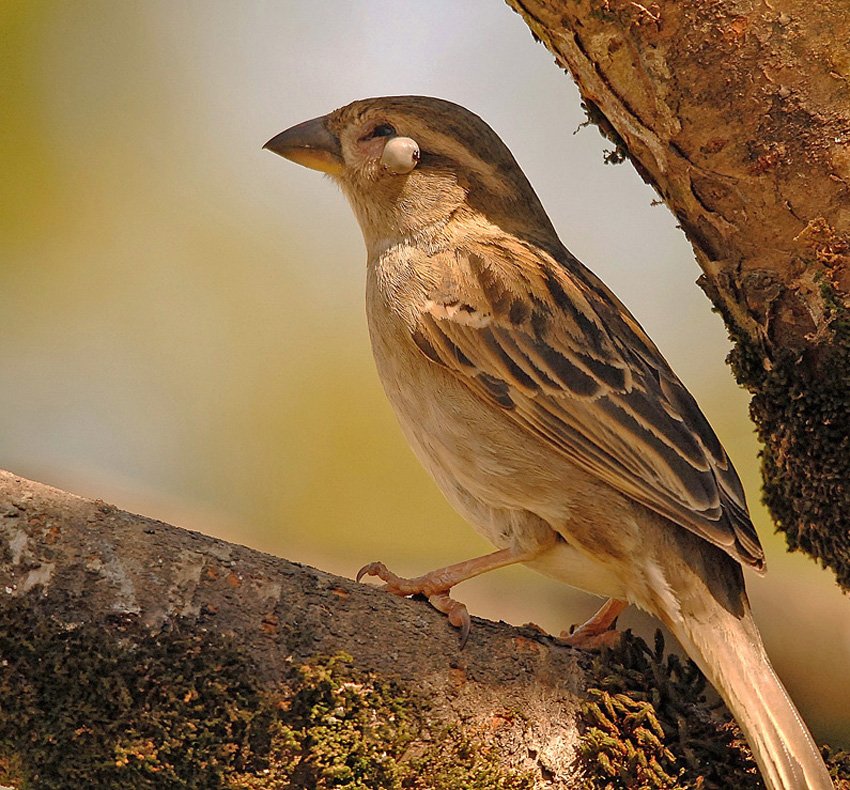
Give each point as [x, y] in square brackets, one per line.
[514, 490]
[568, 565]
[512, 524]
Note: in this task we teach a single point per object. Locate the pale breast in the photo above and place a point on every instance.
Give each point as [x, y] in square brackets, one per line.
[482, 461]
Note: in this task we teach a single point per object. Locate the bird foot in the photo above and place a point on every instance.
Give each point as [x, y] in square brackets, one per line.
[598, 631]
[432, 585]
[588, 640]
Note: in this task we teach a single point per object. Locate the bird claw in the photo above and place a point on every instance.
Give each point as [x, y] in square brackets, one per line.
[589, 639]
[392, 583]
[426, 585]
[457, 613]
[372, 569]
[598, 631]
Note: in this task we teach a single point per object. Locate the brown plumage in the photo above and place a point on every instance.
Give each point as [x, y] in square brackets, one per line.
[543, 411]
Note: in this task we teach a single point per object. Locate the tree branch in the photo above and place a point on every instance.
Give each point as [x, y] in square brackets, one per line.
[71, 563]
[737, 113]
[136, 654]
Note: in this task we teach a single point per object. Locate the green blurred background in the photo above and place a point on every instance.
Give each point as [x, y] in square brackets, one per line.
[181, 313]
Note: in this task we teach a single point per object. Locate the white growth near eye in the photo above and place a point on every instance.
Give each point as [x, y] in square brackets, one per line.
[401, 154]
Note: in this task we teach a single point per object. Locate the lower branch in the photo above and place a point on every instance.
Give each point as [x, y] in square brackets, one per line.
[136, 654]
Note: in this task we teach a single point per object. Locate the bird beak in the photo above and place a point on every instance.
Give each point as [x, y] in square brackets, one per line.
[310, 144]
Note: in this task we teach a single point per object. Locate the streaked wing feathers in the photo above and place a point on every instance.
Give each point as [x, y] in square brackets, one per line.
[564, 358]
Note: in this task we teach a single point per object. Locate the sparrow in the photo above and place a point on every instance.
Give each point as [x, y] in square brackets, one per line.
[543, 411]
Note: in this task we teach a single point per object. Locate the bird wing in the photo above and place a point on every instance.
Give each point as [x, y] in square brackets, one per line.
[549, 344]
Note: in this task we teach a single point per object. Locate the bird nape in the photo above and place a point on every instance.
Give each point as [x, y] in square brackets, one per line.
[540, 407]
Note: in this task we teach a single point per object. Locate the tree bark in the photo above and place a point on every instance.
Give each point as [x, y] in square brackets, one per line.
[135, 654]
[71, 564]
[738, 113]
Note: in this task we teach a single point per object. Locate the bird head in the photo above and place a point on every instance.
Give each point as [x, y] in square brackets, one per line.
[410, 165]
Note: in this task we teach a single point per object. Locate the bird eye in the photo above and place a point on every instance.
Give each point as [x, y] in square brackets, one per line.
[381, 130]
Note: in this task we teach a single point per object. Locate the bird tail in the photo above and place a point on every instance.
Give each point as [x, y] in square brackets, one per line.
[725, 644]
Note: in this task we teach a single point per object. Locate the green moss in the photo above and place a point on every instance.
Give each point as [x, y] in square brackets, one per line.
[645, 725]
[801, 408]
[109, 705]
[353, 732]
[106, 705]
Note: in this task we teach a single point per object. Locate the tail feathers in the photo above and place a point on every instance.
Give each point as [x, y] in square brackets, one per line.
[729, 651]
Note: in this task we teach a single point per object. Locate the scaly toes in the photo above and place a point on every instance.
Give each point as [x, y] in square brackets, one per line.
[457, 613]
[440, 600]
[393, 584]
[590, 639]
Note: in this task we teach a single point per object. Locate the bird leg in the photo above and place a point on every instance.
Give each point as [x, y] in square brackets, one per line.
[435, 585]
[597, 631]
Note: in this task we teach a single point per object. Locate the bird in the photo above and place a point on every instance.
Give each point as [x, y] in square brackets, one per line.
[540, 407]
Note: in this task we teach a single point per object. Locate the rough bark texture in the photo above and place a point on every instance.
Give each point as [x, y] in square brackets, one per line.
[738, 113]
[93, 577]
[134, 654]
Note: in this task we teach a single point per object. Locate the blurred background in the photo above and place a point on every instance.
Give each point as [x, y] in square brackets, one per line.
[181, 313]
